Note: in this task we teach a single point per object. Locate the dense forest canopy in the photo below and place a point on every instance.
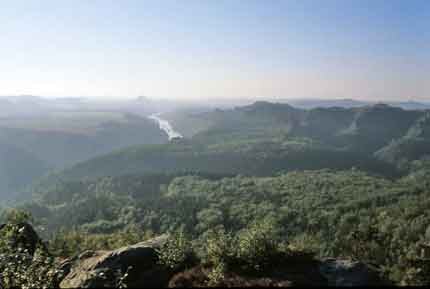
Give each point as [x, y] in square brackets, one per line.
[333, 213]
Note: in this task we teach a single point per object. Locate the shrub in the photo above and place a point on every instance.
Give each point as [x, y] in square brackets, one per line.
[219, 248]
[257, 244]
[176, 251]
[254, 248]
[216, 275]
[20, 269]
[219, 254]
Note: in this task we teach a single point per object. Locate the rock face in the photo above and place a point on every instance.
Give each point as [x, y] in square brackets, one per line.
[133, 266]
[342, 273]
[302, 271]
[137, 267]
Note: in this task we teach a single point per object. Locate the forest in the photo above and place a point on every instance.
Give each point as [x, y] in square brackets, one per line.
[335, 182]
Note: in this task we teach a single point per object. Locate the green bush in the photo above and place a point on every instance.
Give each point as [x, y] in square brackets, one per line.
[219, 247]
[20, 269]
[252, 248]
[257, 244]
[217, 274]
[176, 251]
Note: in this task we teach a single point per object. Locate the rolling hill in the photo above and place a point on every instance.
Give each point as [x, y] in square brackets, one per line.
[64, 138]
[33, 146]
[17, 169]
[266, 138]
[414, 145]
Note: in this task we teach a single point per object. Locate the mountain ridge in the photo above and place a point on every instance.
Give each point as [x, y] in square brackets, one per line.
[268, 137]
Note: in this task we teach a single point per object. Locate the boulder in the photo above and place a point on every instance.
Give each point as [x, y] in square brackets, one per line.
[342, 273]
[132, 266]
[298, 271]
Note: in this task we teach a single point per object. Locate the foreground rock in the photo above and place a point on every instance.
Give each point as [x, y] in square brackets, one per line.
[137, 266]
[301, 271]
[132, 266]
[342, 273]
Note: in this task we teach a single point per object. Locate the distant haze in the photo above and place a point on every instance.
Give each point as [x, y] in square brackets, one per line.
[360, 49]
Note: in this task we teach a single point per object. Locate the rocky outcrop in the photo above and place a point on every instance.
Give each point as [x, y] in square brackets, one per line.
[137, 266]
[342, 273]
[301, 271]
[131, 266]
[198, 277]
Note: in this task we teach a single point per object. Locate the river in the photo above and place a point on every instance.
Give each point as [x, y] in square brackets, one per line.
[165, 126]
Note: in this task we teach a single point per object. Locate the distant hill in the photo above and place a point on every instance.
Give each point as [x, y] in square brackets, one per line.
[265, 138]
[17, 169]
[415, 144]
[374, 126]
[366, 128]
[412, 105]
[350, 103]
[66, 138]
[32, 146]
[325, 103]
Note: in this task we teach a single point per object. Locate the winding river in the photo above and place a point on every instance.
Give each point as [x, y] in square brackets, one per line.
[165, 126]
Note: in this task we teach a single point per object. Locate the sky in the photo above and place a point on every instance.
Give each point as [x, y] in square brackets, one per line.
[201, 49]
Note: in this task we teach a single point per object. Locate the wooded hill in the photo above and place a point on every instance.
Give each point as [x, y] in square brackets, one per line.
[266, 138]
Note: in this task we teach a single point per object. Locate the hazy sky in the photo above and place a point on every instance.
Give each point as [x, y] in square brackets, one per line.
[190, 49]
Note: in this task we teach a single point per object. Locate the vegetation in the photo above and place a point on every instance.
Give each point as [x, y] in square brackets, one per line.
[264, 138]
[17, 168]
[176, 252]
[24, 259]
[22, 270]
[334, 213]
[260, 184]
[412, 146]
[33, 147]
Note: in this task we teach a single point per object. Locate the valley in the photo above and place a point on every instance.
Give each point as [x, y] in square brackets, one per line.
[330, 182]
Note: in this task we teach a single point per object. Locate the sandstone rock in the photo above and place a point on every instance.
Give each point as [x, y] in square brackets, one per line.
[349, 273]
[301, 271]
[136, 265]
